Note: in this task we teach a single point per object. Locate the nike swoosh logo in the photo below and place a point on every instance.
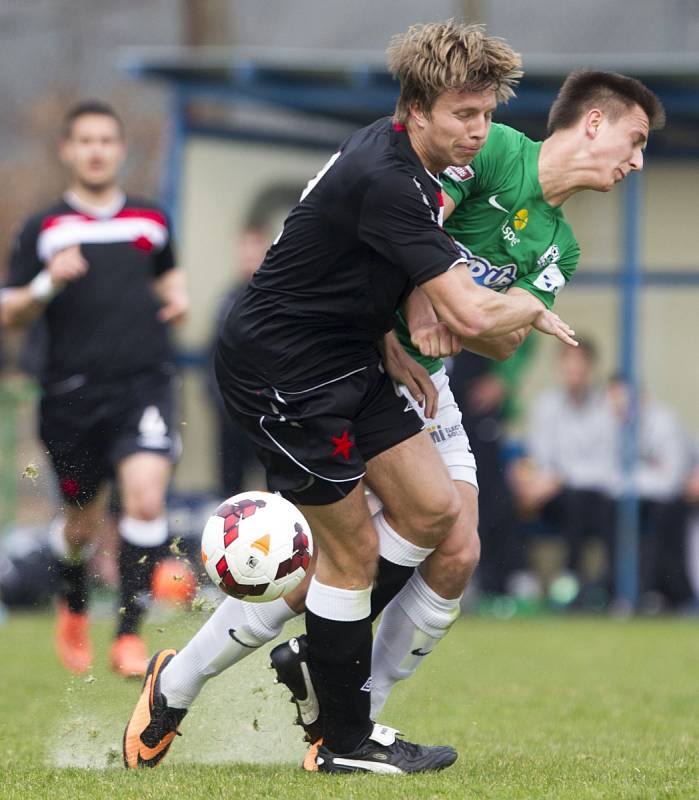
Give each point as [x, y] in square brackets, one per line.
[494, 203]
[232, 632]
[419, 652]
[146, 753]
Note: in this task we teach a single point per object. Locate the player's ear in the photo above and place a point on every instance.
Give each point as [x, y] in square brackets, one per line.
[418, 115]
[593, 120]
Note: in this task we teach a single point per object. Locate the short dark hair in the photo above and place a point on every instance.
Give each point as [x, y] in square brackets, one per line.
[86, 107]
[609, 91]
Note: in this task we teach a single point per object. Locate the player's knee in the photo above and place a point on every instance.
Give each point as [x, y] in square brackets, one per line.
[353, 563]
[436, 517]
[147, 504]
[80, 525]
[457, 568]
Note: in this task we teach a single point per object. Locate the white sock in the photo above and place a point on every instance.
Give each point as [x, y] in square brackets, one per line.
[411, 626]
[340, 605]
[233, 631]
[394, 548]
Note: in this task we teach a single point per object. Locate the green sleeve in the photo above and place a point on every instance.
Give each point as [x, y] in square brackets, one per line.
[458, 190]
[546, 282]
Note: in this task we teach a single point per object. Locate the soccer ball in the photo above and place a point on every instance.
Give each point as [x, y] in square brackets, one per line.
[256, 546]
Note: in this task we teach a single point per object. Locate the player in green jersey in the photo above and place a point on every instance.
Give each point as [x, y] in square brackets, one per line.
[504, 210]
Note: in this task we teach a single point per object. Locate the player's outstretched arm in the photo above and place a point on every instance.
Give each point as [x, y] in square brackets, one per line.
[433, 338]
[474, 312]
[21, 305]
[171, 289]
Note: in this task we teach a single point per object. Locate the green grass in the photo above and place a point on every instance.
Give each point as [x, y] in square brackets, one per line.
[542, 708]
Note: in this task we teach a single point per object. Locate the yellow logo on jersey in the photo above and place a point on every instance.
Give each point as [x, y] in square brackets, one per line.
[521, 219]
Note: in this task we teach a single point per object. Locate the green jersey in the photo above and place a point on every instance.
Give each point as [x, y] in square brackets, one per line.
[509, 235]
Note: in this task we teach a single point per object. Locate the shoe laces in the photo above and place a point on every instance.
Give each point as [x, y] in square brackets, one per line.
[408, 749]
[164, 720]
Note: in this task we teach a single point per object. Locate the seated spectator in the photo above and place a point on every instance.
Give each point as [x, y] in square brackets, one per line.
[659, 479]
[567, 477]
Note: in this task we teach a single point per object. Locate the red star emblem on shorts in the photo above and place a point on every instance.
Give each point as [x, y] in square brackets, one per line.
[342, 445]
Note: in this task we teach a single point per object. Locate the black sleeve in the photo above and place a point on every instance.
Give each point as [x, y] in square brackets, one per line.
[25, 263]
[165, 258]
[399, 222]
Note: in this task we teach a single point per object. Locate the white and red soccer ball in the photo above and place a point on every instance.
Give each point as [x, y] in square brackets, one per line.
[256, 546]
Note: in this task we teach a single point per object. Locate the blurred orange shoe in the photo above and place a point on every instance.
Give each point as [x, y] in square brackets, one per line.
[73, 640]
[128, 656]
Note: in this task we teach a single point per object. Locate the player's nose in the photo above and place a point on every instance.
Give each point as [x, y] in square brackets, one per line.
[636, 162]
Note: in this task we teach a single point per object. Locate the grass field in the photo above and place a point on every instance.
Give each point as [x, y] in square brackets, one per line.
[543, 708]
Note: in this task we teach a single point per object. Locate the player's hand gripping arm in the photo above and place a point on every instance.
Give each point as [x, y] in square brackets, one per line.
[474, 312]
[408, 372]
[433, 338]
[171, 289]
[22, 304]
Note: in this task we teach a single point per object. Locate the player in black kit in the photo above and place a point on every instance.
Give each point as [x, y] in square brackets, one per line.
[99, 266]
[300, 368]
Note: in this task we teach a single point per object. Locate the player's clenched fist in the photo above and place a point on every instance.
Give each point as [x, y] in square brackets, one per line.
[436, 341]
[67, 265]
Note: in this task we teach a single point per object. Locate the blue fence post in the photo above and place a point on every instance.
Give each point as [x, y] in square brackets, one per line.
[627, 529]
[174, 157]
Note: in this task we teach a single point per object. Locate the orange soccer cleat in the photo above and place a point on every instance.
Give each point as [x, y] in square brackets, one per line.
[128, 656]
[73, 640]
[153, 725]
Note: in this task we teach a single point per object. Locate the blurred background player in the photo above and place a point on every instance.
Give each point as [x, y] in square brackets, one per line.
[99, 266]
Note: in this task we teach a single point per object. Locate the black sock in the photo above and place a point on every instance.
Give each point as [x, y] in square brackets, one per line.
[339, 655]
[73, 584]
[390, 579]
[136, 566]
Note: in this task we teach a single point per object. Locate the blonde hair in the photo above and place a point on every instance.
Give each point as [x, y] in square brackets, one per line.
[431, 59]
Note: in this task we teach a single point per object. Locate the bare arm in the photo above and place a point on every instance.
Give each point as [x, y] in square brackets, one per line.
[22, 304]
[171, 289]
[433, 338]
[449, 205]
[472, 311]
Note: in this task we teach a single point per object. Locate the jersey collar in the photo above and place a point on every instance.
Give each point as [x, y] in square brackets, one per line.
[98, 212]
[401, 141]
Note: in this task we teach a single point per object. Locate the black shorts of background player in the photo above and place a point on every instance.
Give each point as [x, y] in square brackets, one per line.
[99, 266]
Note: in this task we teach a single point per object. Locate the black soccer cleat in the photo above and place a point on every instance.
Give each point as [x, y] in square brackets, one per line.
[290, 662]
[153, 724]
[382, 752]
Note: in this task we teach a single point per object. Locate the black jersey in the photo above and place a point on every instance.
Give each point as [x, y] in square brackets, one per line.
[367, 229]
[104, 324]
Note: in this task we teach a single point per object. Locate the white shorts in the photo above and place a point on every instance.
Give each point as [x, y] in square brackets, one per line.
[447, 433]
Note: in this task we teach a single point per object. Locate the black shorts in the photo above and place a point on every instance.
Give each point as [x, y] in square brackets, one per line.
[90, 427]
[314, 444]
